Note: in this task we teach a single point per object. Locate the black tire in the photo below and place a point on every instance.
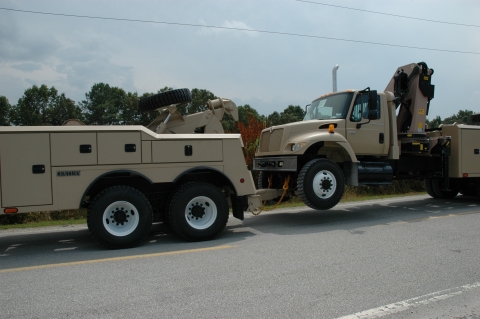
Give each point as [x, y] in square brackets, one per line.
[321, 184]
[198, 211]
[429, 188]
[437, 186]
[166, 208]
[262, 180]
[120, 217]
[164, 99]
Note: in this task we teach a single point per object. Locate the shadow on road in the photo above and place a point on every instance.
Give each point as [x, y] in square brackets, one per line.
[24, 248]
[350, 216]
[45, 246]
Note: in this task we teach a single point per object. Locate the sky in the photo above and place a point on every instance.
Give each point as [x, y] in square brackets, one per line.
[289, 64]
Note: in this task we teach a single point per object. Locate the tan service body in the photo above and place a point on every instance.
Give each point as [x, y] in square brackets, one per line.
[69, 173]
[180, 169]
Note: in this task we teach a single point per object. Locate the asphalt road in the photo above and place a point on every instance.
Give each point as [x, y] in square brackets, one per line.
[411, 257]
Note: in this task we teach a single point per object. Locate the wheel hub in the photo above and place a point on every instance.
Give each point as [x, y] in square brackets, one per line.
[197, 210]
[326, 184]
[120, 216]
[200, 212]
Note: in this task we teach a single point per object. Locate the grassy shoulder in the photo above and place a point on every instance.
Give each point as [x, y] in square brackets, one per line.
[75, 218]
[45, 223]
[296, 202]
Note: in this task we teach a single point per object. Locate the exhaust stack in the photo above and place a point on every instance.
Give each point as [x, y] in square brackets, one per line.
[334, 77]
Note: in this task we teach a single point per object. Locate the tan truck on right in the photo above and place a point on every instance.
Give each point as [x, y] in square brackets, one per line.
[370, 138]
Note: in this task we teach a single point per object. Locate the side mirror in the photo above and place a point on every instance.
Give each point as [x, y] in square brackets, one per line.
[372, 101]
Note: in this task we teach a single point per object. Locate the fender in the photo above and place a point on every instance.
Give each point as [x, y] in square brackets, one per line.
[206, 169]
[312, 138]
[110, 173]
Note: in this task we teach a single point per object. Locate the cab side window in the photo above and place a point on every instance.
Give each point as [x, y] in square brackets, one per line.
[360, 108]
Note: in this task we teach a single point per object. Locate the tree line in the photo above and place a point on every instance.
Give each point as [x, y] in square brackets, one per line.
[462, 117]
[109, 105]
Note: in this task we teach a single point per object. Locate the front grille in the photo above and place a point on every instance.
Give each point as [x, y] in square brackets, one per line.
[271, 142]
[264, 141]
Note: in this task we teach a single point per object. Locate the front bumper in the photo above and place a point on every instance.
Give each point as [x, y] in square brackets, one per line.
[274, 163]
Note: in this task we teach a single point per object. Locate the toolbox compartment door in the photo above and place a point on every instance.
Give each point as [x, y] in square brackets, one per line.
[119, 148]
[25, 169]
[73, 149]
[470, 145]
[187, 151]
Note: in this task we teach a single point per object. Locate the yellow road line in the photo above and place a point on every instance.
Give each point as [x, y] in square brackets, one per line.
[95, 261]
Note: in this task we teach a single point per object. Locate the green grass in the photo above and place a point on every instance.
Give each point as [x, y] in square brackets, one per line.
[46, 223]
[296, 202]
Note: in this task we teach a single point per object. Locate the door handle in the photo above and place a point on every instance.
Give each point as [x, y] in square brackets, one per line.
[38, 169]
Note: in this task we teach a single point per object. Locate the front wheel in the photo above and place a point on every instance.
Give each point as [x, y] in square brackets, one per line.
[198, 211]
[321, 184]
[120, 217]
[437, 187]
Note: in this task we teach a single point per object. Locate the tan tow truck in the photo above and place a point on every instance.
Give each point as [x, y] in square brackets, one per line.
[356, 138]
[129, 176]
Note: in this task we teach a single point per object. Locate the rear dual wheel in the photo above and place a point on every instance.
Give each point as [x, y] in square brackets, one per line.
[120, 217]
[198, 211]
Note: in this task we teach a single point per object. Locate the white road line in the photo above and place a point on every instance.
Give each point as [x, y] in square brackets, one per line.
[411, 303]
[62, 249]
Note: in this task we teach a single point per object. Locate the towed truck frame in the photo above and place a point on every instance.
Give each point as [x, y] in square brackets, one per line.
[365, 138]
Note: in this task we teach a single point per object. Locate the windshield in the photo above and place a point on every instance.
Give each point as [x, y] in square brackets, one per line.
[329, 107]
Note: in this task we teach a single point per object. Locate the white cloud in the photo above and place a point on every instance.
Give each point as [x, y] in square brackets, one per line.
[269, 71]
[232, 27]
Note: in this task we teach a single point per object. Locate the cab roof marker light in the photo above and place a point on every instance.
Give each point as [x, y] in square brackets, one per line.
[331, 128]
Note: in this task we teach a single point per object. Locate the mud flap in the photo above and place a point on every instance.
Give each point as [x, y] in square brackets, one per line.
[239, 206]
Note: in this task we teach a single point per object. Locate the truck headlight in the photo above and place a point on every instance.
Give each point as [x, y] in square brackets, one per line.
[297, 146]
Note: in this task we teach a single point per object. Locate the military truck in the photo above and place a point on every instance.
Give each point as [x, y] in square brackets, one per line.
[129, 176]
[361, 137]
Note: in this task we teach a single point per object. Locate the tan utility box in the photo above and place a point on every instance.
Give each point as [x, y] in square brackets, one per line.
[119, 148]
[69, 149]
[25, 175]
[465, 158]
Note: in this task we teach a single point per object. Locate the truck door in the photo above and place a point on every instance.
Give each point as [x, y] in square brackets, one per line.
[364, 136]
[25, 169]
